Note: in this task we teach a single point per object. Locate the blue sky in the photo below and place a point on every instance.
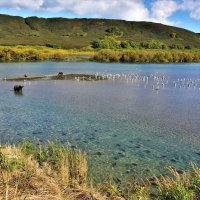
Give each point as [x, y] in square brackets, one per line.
[181, 13]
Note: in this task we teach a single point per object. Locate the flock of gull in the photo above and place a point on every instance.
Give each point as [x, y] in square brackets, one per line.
[155, 81]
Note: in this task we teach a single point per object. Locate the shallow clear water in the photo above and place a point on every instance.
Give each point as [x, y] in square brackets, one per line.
[126, 127]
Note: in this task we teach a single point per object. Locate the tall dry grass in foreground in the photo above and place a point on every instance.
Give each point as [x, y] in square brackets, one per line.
[54, 172]
[37, 171]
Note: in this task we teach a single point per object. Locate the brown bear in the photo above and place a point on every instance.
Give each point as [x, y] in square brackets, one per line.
[18, 88]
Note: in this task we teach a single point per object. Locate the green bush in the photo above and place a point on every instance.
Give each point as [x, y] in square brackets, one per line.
[125, 45]
[153, 44]
[176, 46]
[108, 42]
[34, 33]
[115, 31]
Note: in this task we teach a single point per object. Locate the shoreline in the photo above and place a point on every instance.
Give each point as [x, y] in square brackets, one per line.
[79, 77]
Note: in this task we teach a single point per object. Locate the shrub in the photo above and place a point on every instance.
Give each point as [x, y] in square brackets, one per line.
[115, 31]
[176, 46]
[153, 44]
[108, 42]
[125, 45]
[34, 33]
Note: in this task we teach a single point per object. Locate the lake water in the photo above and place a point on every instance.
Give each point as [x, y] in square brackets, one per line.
[129, 126]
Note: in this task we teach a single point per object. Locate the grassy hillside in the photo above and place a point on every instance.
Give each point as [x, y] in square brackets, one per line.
[78, 33]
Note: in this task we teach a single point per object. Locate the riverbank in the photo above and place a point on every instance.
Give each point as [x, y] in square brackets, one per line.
[42, 53]
[35, 171]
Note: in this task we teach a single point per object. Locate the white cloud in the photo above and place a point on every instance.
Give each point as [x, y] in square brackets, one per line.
[5, 4]
[19, 4]
[128, 10]
[163, 9]
[136, 10]
[193, 6]
[34, 4]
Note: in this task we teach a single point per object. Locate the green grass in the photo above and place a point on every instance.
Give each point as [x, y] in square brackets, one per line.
[184, 186]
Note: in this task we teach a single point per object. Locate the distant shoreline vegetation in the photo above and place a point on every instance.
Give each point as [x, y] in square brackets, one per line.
[41, 53]
[148, 56]
[117, 52]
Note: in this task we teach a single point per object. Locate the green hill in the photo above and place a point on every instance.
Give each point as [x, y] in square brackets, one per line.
[77, 33]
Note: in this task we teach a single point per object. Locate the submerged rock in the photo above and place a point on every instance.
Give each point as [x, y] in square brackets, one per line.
[173, 160]
[99, 153]
[134, 164]
[114, 164]
[180, 171]
[122, 154]
[37, 133]
[137, 146]
[116, 158]
[147, 151]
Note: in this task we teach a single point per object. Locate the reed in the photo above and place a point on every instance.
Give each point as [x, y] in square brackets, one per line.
[185, 186]
[50, 171]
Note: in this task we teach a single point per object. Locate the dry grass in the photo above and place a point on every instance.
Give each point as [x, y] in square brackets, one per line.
[35, 172]
[49, 172]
